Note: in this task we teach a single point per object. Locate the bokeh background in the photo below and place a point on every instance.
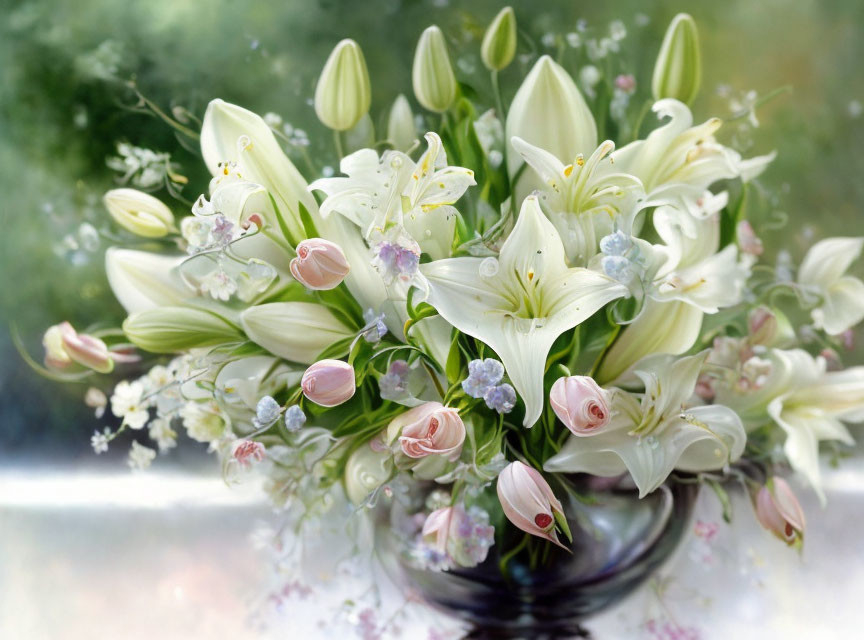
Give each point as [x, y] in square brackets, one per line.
[65, 104]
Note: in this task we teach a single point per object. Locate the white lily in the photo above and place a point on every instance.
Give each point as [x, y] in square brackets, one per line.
[688, 279]
[549, 111]
[823, 272]
[521, 302]
[659, 433]
[809, 403]
[583, 202]
[679, 159]
[143, 280]
[232, 134]
[394, 190]
[296, 331]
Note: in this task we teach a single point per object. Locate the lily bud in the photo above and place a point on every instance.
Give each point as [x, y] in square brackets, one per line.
[429, 429]
[296, 331]
[581, 404]
[499, 43]
[173, 329]
[529, 503]
[566, 127]
[139, 212]
[401, 131]
[329, 382]
[55, 354]
[366, 470]
[432, 75]
[143, 280]
[678, 70]
[779, 511]
[320, 264]
[343, 94]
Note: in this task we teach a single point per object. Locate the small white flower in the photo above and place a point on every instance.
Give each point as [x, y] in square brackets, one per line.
[99, 441]
[128, 403]
[219, 285]
[140, 456]
[163, 434]
[96, 399]
[203, 421]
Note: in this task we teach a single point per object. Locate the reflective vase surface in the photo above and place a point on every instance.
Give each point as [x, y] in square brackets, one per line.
[545, 593]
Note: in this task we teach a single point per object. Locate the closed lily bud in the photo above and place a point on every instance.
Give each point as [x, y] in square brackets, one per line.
[343, 94]
[779, 511]
[86, 350]
[529, 503]
[678, 70]
[55, 353]
[432, 75]
[139, 212]
[429, 429]
[174, 329]
[320, 264]
[566, 127]
[499, 42]
[401, 132]
[144, 280]
[581, 404]
[296, 331]
[329, 382]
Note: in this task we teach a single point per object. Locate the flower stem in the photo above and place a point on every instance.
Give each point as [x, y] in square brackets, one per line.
[337, 142]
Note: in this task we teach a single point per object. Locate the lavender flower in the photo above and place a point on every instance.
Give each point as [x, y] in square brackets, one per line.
[266, 413]
[375, 328]
[482, 374]
[294, 418]
[501, 398]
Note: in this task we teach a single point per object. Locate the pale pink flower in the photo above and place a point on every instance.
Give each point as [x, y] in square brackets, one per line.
[528, 501]
[247, 452]
[779, 511]
[329, 382]
[430, 429]
[320, 264]
[581, 404]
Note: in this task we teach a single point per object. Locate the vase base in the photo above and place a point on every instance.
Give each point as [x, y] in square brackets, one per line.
[569, 632]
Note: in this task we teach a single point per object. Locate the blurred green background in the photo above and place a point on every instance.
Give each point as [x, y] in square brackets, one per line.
[64, 106]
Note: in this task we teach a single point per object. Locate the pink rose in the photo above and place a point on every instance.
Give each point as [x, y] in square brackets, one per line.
[430, 429]
[528, 501]
[320, 264]
[329, 382]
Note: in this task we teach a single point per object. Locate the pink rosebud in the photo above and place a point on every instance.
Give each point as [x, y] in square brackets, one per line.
[581, 404]
[528, 501]
[625, 82]
[86, 350]
[64, 346]
[779, 511]
[747, 239]
[319, 264]
[248, 451]
[329, 382]
[430, 429]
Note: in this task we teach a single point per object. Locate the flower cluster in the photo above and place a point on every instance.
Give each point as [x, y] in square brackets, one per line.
[590, 307]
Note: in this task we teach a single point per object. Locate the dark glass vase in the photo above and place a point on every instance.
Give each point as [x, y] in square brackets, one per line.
[542, 591]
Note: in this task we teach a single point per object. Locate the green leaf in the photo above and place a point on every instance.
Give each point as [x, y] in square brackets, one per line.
[308, 223]
[453, 366]
[723, 497]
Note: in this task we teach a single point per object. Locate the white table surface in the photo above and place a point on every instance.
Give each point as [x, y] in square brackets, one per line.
[166, 555]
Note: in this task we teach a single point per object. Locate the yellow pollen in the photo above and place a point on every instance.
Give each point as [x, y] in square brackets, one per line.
[568, 170]
[441, 185]
[531, 274]
[580, 161]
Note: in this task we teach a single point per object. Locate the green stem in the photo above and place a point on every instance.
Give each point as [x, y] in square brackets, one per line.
[502, 563]
[499, 100]
[337, 142]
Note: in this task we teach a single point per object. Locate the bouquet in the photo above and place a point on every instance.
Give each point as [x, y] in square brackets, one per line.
[524, 292]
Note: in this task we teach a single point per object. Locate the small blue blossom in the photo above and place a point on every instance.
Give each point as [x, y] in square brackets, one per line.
[618, 268]
[616, 244]
[294, 418]
[482, 374]
[393, 385]
[375, 328]
[501, 398]
[266, 413]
